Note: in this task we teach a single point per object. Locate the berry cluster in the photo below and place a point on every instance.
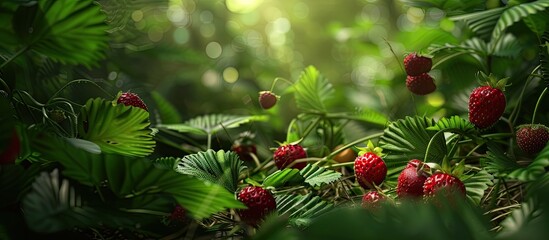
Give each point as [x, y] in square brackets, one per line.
[418, 80]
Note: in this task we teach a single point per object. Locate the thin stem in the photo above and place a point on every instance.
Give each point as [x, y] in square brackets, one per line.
[429, 145]
[282, 79]
[537, 104]
[376, 135]
[514, 114]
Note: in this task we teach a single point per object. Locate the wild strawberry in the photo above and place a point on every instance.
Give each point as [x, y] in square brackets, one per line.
[11, 151]
[131, 99]
[422, 84]
[267, 99]
[532, 138]
[415, 64]
[287, 154]
[372, 199]
[178, 214]
[370, 168]
[411, 180]
[259, 201]
[443, 183]
[487, 103]
[244, 146]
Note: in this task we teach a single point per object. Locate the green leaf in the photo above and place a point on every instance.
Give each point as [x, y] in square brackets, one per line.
[312, 91]
[53, 205]
[476, 184]
[130, 178]
[301, 209]
[316, 176]
[544, 57]
[516, 13]
[506, 46]
[535, 170]
[71, 32]
[116, 128]
[537, 22]
[527, 213]
[15, 182]
[166, 162]
[85, 145]
[363, 115]
[166, 112]
[454, 124]
[482, 22]
[210, 124]
[407, 139]
[220, 167]
[497, 162]
[284, 177]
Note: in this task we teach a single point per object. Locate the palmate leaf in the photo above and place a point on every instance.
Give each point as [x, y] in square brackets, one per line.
[71, 32]
[407, 139]
[166, 112]
[116, 128]
[316, 176]
[130, 178]
[476, 184]
[527, 213]
[534, 170]
[312, 91]
[497, 162]
[210, 124]
[482, 22]
[222, 168]
[166, 162]
[517, 13]
[53, 205]
[301, 209]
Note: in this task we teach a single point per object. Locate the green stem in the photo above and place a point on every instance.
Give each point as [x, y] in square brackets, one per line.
[514, 115]
[341, 149]
[537, 104]
[429, 145]
[209, 144]
[282, 79]
[17, 54]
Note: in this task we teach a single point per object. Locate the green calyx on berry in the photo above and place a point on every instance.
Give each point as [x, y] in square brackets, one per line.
[492, 81]
[370, 148]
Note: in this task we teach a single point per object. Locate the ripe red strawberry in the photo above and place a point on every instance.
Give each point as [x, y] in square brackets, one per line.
[487, 103]
[286, 154]
[411, 180]
[178, 214]
[443, 183]
[415, 64]
[267, 99]
[131, 99]
[11, 151]
[532, 138]
[372, 199]
[422, 84]
[259, 201]
[369, 170]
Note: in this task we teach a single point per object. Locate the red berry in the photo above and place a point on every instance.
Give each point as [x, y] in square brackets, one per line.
[244, 151]
[422, 84]
[532, 138]
[370, 169]
[286, 154]
[12, 149]
[443, 183]
[415, 64]
[259, 201]
[372, 199]
[131, 99]
[178, 214]
[267, 99]
[486, 105]
[410, 181]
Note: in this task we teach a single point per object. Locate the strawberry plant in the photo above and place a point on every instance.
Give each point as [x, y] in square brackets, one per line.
[114, 125]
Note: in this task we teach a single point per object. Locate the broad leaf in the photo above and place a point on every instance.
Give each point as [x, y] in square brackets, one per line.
[116, 128]
[72, 32]
[537, 22]
[210, 124]
[220, 167]
[312, 91]
[475, 185]
[407, 139]
[316, 176]
[284, 177]
[130, 178]
[166, 112]
[301, 209]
